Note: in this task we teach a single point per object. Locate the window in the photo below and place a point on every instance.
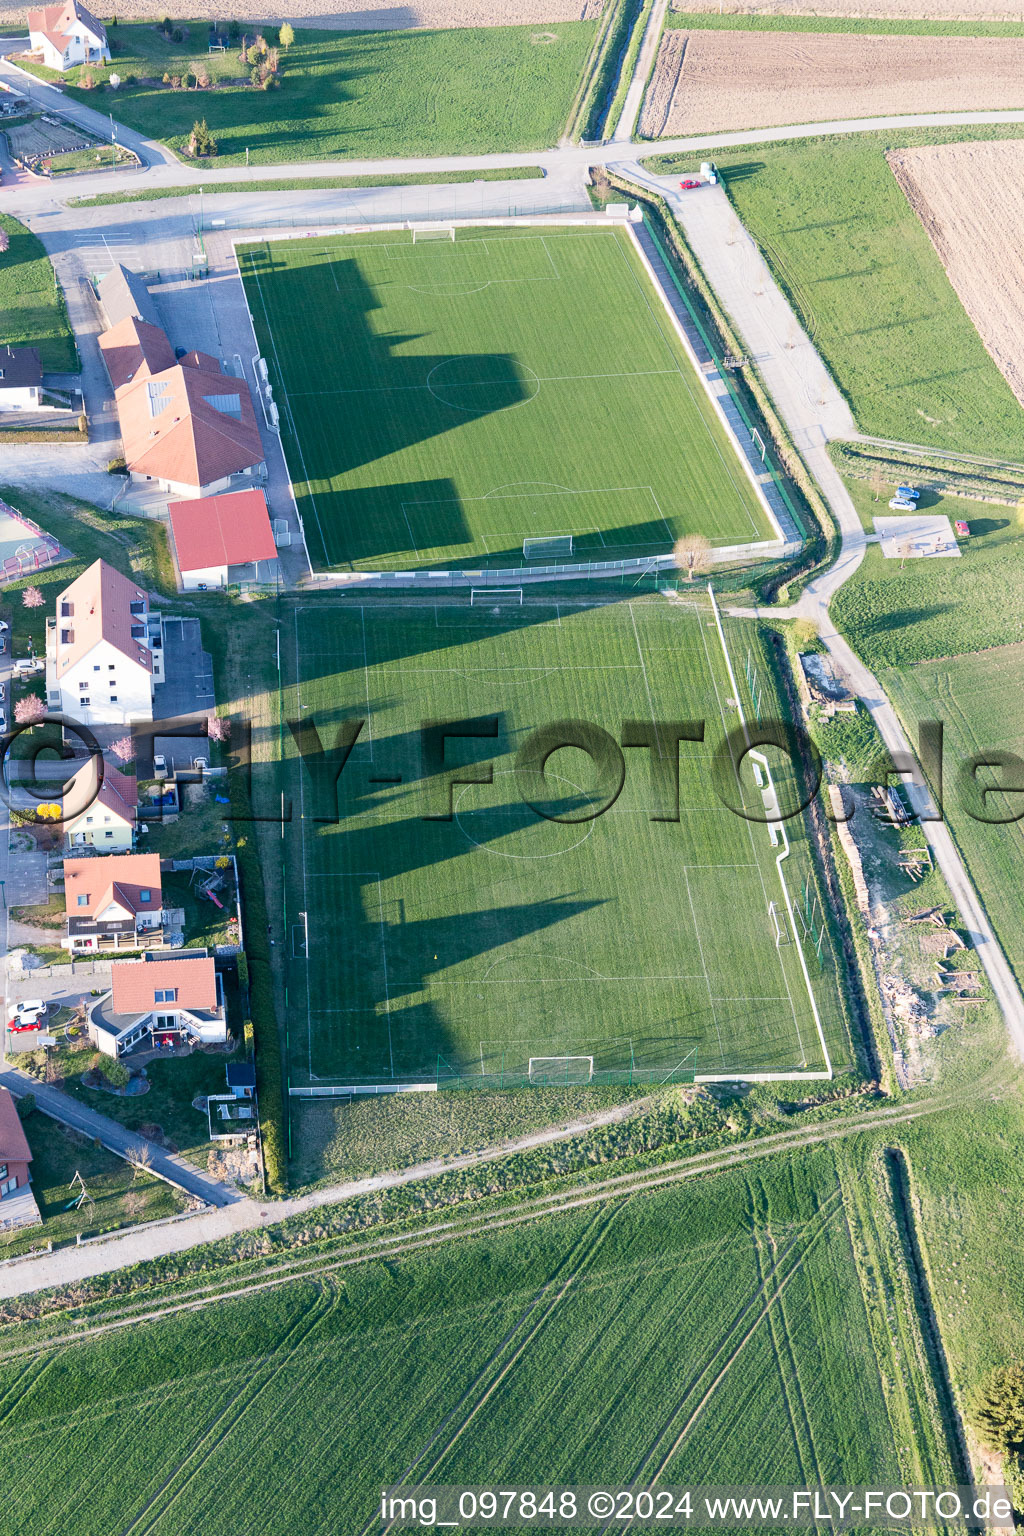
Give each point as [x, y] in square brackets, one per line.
[165, 995]
[138, 631]
[81, 686]
[88, 818]
[110, 666]
[95, 669]
[145, 895]
[83, 901]
[113, 698]
[108, 834]
[67, 610]
[83, 699]
[3, 1170]
[137, 607]
[66, 636]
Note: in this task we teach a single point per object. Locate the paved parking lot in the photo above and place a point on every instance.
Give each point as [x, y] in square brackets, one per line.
[188, 672]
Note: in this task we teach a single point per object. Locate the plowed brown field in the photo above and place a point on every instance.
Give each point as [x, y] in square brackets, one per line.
[871, 10]
[712, 81]
[970, 199]
[359, 15]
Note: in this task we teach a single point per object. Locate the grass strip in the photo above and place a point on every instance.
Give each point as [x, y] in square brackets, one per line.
[311, 184]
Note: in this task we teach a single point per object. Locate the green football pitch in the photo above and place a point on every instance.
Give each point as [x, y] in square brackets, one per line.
[443, 401]
[499, 943]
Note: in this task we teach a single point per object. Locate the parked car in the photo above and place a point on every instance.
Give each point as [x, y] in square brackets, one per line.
[29, 1014]
[902, 504]
[908, 492]
[689, 182]
[3, 718]
[159, 766]
[962, 530]
[4, 626]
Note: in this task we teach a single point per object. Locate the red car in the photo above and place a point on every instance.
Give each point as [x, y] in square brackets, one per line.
[689, 182]
[963, 530]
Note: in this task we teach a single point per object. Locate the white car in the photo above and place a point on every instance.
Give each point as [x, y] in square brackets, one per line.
[901, 504]
[29, 1014]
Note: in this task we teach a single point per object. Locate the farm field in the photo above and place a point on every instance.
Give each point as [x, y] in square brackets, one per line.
[980, 701]
[715, 80]
[750, 1328]
[353, 94]
[847, 249]
[436, 949]
[355, 15]
[970, 200]
[457, 397]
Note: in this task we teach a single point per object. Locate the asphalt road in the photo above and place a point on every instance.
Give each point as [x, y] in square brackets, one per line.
[127, 1144]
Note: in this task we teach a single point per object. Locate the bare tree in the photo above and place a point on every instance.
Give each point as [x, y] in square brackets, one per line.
[878, 482]
[217, 729]
[5, 241]
[123, 749]
[32, 597]
[692, 554]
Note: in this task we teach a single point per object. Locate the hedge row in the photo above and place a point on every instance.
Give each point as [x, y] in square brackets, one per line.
[261, 1010]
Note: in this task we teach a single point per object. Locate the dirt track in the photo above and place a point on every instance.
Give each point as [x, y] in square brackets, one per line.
[970, 199]
[355, 15]
[716, 81]
[877, 10]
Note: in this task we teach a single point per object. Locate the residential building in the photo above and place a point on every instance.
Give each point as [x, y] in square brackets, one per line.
[104, 819]
[186, 425]
[21, 379]
[104, 650]
[113, 903]
[160, 1000]
[221, 539]
[65, 35]
[18, 1207]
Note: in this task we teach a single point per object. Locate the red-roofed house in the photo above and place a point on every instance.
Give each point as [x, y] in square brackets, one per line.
[104, 650]
[64, 35]
[103, 818]
[218, 539]
[17, 1203]
[170, 999]
[114, 903]
[186, 425]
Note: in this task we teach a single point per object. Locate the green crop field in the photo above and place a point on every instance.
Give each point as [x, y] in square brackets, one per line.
[350, 95]
[980, 701]
[468, 946]
[753, 1328]
[854, 259]
[454, 398]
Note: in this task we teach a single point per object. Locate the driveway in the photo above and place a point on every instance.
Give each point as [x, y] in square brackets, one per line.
[126, 1144]
[187, 688]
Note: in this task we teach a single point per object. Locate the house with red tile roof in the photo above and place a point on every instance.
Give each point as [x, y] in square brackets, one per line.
[17, 1203]
[104, 650]
[114, 903]
[101, 817]
[65, 35]
[221, 539]
[186, 425]
[161, 1000]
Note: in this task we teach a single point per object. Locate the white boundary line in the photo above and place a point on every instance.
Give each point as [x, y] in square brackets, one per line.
[780, 828]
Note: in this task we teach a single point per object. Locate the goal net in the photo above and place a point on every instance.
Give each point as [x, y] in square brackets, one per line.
[561, 1069]
[481, 596]
[547, 548]
[422, 232]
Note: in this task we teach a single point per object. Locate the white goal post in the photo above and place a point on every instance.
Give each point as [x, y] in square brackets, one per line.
[543, 548]
[561, 1069]
[479, 596]
[432, 232]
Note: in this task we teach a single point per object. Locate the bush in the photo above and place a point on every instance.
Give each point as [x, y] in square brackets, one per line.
[177, 36]
[26, 1105]
[115, 1072]
[116, 465]
[996, 1409]
[83, 424]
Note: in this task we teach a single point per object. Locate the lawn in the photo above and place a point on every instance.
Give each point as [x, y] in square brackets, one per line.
[120, 1195]
[468, 946]
[749, 1329]
[353, 94]
[857, 265]
[454, 398]
[32, 309]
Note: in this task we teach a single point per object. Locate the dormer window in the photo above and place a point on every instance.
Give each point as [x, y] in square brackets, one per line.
[165, 995]
[137, 607]
[145, 895]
